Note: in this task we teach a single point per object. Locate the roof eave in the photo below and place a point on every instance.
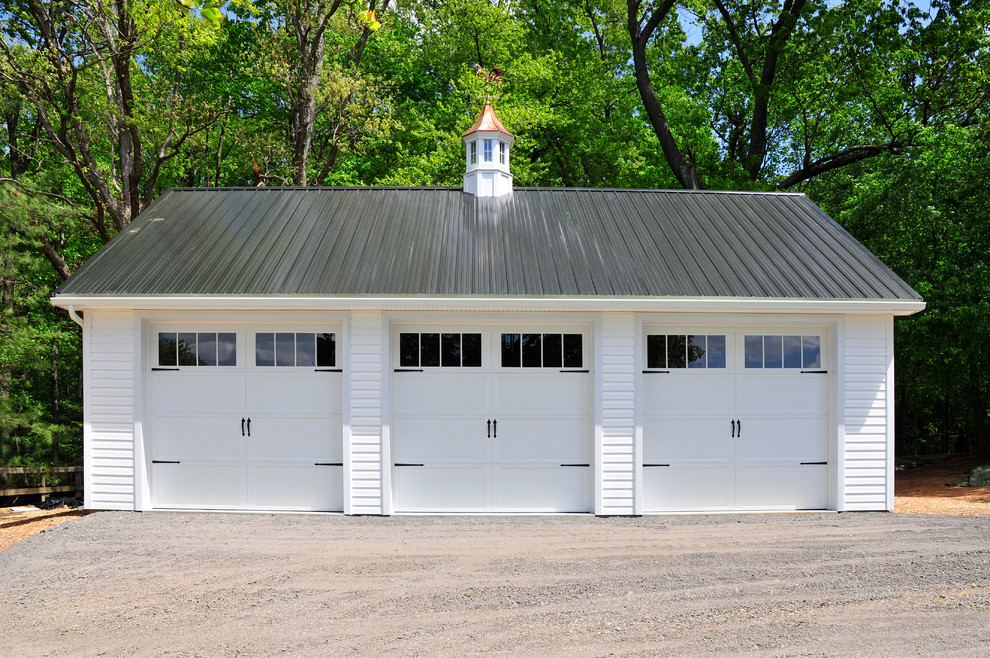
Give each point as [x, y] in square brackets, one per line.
[897, 307]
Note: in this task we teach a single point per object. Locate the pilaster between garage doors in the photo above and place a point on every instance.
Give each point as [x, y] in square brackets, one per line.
[615, 472]
[365, 432]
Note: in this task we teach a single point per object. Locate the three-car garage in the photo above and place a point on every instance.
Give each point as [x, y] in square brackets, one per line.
[389, 350]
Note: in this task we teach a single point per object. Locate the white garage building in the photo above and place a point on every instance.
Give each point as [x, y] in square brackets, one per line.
[388, 350]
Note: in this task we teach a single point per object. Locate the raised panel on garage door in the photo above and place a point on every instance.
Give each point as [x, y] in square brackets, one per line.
[296, 415]
[198, 486]
[439, 417]
[543, 417]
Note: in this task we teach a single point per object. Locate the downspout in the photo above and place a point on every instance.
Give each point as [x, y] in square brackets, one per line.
[75, 316]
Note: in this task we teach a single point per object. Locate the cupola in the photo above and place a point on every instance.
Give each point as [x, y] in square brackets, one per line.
[487, 143]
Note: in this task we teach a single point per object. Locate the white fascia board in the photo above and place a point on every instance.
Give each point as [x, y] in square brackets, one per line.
[584, 304]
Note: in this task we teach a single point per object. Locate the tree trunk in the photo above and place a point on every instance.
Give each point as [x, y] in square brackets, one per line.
[685, 170]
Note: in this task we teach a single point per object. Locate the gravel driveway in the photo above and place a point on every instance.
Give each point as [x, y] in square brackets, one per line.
[120, 583]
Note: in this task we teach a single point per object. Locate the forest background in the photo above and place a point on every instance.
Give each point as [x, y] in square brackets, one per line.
[876, 109]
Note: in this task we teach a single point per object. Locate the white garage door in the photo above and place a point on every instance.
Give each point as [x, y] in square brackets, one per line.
[246, 419]
[735, 420]
[491, 420]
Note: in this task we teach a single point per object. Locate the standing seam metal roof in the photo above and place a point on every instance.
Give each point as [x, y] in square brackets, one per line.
[441, 241]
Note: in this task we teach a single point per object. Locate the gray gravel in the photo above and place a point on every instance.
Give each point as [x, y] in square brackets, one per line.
[121, 584]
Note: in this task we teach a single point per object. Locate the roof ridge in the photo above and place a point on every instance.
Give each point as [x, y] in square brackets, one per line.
[438, 188]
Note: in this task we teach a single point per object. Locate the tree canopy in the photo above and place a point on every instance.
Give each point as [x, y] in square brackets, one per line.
[875, 108]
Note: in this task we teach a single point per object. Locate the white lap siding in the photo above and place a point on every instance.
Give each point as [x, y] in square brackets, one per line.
[108, 421]
[616, 457]
[363, 437]
[868, 359]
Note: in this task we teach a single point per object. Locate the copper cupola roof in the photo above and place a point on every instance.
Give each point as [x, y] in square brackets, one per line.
[487, 120]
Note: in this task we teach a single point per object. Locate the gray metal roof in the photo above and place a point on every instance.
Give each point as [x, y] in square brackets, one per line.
[441, 241]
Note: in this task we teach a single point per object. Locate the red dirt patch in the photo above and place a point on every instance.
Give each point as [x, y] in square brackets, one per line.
[923, 490]
[15, 526]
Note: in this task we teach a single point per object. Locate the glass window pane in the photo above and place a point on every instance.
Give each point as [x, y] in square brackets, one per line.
[226, 349]
[501, 152]
[573, 351]
[187, 349]
[792, 351]
[553, 351]
[166, 350]
[656, 351]
[264, 349]
[716, 351]
[429, 350]
[511, 352]
[773, 352]
[474, 152]
[471, 350]
[285, 349]
[207, 350]
[450, 350]
[532, 350]
[812, 352]
[676, 352]
[488, 150]
[754, 351]
[409, 350]
[306, 350]
[326, 350]
[696, 349]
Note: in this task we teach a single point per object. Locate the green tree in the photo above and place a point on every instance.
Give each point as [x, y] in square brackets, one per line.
[797, 88]
[926, 216]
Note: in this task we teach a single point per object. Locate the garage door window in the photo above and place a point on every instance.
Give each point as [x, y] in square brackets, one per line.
[295, 349]
[542, 350]
[685, 351]
[197, 349]
[432, 350]
[783, 352]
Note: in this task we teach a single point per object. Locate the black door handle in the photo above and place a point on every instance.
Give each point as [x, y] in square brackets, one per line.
[733, 428]
[494, 429]
[249, 427]
[242, 427]
[489, 428]
[738, 428]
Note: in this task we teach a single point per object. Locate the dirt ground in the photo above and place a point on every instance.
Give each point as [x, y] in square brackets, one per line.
[918, 490]
[18, 525]
[814, 584]
[923, 489]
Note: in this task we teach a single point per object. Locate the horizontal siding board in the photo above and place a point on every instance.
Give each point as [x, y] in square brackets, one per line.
[618, 415]
[110, 407]
[365, 481]
[867, 416]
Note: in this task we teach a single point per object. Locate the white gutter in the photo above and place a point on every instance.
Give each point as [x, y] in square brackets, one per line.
[585, 304]
[72, 314]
